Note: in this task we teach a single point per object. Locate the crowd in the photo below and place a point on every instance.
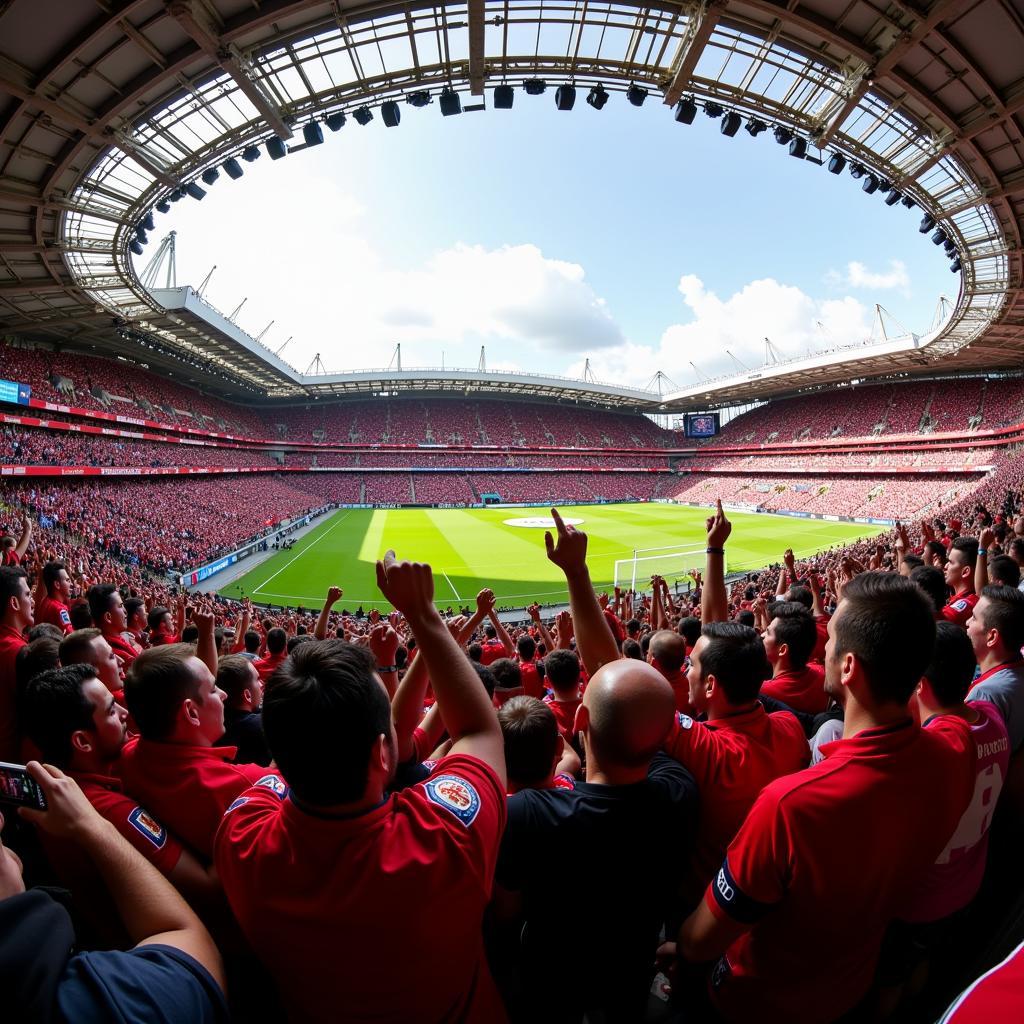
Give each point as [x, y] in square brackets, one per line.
[793, 796]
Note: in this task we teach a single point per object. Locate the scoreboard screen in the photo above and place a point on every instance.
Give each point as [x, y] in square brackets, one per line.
[701, 424]
[16, 394]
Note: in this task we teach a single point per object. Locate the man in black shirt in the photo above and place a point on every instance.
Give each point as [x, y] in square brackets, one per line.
[243, 722]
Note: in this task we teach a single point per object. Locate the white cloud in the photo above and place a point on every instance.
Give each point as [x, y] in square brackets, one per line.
[857, 275]
[795, 322]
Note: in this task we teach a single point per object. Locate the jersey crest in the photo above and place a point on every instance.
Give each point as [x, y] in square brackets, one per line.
[961, 605]
[455, 795]
[275, 784]
[685, 721]
[146, 825]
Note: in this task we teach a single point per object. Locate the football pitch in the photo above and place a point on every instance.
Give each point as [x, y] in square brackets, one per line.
[469, 549]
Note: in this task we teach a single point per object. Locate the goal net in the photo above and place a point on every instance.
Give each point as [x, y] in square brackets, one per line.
[671, 563]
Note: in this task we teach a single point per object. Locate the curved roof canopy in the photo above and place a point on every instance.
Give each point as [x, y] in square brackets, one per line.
[107, 110]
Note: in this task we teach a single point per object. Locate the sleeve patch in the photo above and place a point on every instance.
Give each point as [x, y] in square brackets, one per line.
[736, 903]
[65, 618]
[685, 721]
[236, 803]
[960, 606]
[275, 784]
[146, 825]
[455, 795]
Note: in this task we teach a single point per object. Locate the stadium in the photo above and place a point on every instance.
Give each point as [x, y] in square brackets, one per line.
[202, 631]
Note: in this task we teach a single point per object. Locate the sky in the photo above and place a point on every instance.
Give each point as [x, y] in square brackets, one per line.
[550, 238]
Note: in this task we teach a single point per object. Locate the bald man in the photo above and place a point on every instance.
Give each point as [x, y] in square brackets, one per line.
[597, 867]
[667, 653]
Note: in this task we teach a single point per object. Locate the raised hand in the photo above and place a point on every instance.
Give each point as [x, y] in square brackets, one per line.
[534, 612]
[987, 538]
[203, 619]
[569, 551]
[718, 527]
[409, 586]
[602, 600]
[485, 601]
[334, 594]
[563, 623]
[383, 643]
[789, 561]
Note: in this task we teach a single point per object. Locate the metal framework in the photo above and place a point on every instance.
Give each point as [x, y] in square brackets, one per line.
[108, 110]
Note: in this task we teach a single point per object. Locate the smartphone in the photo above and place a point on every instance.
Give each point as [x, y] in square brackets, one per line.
[18, 787]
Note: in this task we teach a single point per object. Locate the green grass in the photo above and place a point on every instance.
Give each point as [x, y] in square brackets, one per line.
[473, 548]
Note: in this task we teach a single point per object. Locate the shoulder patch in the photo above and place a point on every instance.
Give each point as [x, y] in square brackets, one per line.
[274, 783]
[685, 721]
[236, 803]
[455, 795]
[146, 825]
[960, 606]
[65, 618]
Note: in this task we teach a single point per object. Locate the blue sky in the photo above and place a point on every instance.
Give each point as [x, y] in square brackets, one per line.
[551, 237]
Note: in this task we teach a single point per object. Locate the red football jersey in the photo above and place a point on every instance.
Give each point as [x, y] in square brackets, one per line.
[11, 641]
[818, 880]
[532, 685]
[732, 759]
[265, 666]
[960, 608]
[565, 714]
[188, 788]
[491, 651]
[54, 612]
[355, 916]
[801, 689]
[998, 995]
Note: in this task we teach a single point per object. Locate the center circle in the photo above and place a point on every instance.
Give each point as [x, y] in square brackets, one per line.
[540, 522]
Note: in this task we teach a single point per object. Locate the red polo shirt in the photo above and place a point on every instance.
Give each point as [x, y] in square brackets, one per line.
[11, 641]
[187, 788]
[821, 625]
[54, 612]
[123, 648]
[491, 651]
[998, 995]
[825, 859]
[532, 685]
[802, 689]
[960, 607]
[732, 759]
[317, 895]
[565, 714]
[266, 666]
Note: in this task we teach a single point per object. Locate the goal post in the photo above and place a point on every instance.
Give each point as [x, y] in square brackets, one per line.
[671, 563]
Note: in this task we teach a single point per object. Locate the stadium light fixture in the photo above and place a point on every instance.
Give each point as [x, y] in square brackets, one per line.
[730, 124]
[908, 202]
[148, 223]
[927, 223]
[798, 147]
[450, 102]
[535, 87]
[565, 97]
[686, 110]
[140, 234]
[276, 148]
[955, 266]
[783, 136]
[419, 98]
[335, 121]
[390, 114]
[164, 206]
[363, 116]
[312, 133]
[754, 127]
[136, 247]
[194, 190]
[504, 96]
[233, 169]
[636, 95]
[950, 247]
[870, 184]
[893, 198]
[210, 175]
[857, 171]
[837, 163]
[940, 237]
[251, 154]
[713, 109]
[597, 97]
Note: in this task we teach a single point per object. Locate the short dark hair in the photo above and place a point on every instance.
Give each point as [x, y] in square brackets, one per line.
[631, 649]
[79, 615]
[190, 634]
[1005, 613]
[932, 583]
[252, 641]
[745, 617]
[156, 613]
[299, 638]
[277, 640]
[156, 685]
[322, 713]
[53, 707]
[75, 648]
[562, 670]
[45, 629]
[795, 627]
[936, 547]
[475, 652]
[51, 574]
[526, 648]
[951, 669]
[9, 585]
[968, 547]
[689, 629]
[1003, 569]
[100, 597]
[36, 656]
[914, 561]
[486, 677]
[801, 595]
[507, 673]
[1017, 546]
[233, 675]
[531, 739]
[490, 632]
[886, 621]
[735, 656]
[133, 605]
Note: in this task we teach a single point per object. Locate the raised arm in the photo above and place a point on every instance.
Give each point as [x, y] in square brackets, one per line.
[384, 646]
[657, 611]
[152, 911]
[985, 541]
[242, 627]
[26, 535]
[594, 638]
[333, 596]
[407, 706]
[506, 640]
[206, 646]
[714, 601]
[484, 604]
[545, 634]
[468, 712]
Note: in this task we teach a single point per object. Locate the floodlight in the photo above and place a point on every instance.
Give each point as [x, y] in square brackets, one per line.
[927, 223]
[713, 109]
[136, 247]
[335, 121]
[233, 169]
[798, 148]
[636, 95]
[250, 154]
[565, 97]
[730, 124]
[194, 190]
[754, 127]
[955, 266]
[870, 184]
[312, 133]
[503, 97]
[884, 185]
[686, 110]
[363, 116]
[908, 202]
[893, 198]
[163, 206]
[950, 247]
[147, 222]
[450, 102]
[837, 163]
[390, 114]
[140, 234]
[783, 136]
[940, 237]
[597, 97]
[420, 98]
[857, 170]
[276, 148]
[535, 87]
[210, 175]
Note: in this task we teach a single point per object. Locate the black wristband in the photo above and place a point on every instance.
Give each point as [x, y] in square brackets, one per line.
[715, 551]
[387, 668]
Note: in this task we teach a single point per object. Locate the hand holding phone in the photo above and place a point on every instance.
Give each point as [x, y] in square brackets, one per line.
[17, 787]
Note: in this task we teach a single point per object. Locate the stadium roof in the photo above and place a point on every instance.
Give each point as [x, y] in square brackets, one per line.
[107, 110]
